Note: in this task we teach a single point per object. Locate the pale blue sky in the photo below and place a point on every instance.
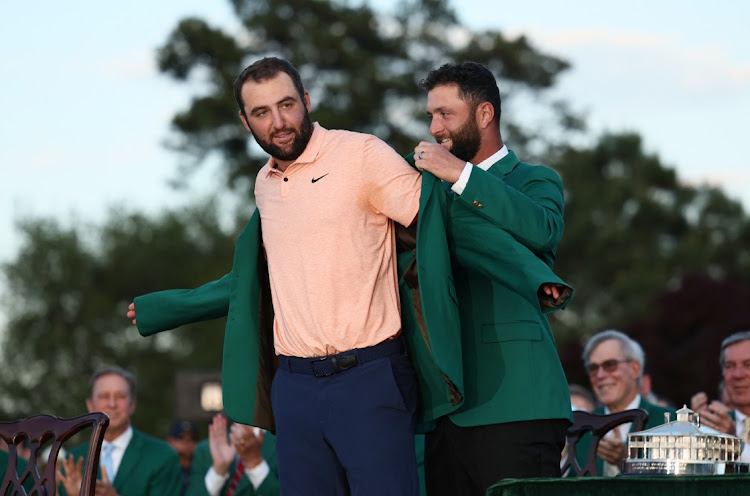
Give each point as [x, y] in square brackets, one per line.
[85, 112]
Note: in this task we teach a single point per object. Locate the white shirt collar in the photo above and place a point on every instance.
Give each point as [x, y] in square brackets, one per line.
[633, 404]
[490, 161]
[121, 442]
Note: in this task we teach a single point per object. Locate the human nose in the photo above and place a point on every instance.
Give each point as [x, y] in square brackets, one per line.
[435, 127]
[739, 372]
[277, 119]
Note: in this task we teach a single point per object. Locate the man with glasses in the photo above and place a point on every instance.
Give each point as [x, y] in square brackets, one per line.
[615, 363]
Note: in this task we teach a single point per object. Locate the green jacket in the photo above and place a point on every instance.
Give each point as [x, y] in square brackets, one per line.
[202, 461]
[511, 368]
[149, 467]
[428, 303]
[655, 418]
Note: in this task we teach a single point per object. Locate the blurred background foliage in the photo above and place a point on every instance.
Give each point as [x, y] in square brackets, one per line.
[664, 261]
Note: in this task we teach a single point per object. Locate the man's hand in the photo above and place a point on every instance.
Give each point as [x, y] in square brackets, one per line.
[248, 445]
[131, 312]
[698, 401]
[434, 158]
[716, 416]
[72, 479]
[551, 290]
[612, 449]
[104, 487]
[552, 295]
[222, 453]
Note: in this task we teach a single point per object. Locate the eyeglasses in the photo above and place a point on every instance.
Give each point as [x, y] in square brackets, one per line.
[607, 365]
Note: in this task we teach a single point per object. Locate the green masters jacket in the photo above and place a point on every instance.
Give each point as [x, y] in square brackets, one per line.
[149, 467]
[428, 303]
[512, 371]
[655, 418]
[202, 461]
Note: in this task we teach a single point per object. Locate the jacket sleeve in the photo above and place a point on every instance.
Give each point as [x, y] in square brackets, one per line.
[164, 310]
[497, 255]
[531, 209]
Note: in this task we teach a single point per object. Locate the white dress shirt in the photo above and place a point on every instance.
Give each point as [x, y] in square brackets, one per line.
[120, 444]
[463, 180]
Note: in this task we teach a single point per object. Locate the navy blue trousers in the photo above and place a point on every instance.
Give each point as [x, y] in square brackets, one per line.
[349, 433]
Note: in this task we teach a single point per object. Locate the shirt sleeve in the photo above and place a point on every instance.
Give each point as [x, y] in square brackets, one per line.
[258, 474]
[463, 179]
[392, 185]
[214, 481]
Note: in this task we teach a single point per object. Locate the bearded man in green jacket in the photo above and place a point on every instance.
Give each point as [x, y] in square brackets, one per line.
[516, 406]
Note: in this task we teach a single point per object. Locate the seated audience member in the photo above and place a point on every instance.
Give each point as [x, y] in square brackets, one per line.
[239, 461]
[614, 362]
[133, 463]
[183, 436]
[734, 359]
[581, 398]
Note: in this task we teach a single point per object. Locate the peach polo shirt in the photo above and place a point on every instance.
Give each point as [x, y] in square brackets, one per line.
[330, 244]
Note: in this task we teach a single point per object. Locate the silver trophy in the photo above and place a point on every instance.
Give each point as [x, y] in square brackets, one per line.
[683, 447]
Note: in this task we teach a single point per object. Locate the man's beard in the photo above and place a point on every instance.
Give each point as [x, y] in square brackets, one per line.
[465, 141]
[301, 138]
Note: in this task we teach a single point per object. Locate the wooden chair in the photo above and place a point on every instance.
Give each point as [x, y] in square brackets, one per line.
[39, 430]
[598, 425]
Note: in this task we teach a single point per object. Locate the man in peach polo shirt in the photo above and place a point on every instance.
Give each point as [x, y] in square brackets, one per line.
[344, 396]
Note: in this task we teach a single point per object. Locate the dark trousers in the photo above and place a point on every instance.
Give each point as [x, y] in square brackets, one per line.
[349, 433]
[468, 460]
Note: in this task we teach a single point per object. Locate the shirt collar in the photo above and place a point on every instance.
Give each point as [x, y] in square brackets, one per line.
[308, 155]
[121, 442]
[490, 161]
[633, 404]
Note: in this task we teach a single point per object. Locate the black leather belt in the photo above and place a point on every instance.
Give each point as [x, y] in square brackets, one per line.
[333, 364]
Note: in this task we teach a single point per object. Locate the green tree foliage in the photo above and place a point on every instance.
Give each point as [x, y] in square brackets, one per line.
[633, 230]
[651, 256]
[360, 66]
[67, 294]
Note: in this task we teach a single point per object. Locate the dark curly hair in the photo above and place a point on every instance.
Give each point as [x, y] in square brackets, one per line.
[476, 84]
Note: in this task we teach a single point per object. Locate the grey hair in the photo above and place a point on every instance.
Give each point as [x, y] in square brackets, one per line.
[115, 370]
[734, 338]
[630, 347]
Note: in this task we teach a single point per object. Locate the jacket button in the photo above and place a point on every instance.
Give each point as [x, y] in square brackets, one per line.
[475, 203]
[479, 205]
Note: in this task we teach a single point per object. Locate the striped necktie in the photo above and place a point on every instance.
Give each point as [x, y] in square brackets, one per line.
[239, 471]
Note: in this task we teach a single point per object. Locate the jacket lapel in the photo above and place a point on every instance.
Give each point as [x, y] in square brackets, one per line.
[129, 461]
[505, 165]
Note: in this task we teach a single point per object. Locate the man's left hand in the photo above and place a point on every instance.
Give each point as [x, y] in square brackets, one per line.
[434, 158]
